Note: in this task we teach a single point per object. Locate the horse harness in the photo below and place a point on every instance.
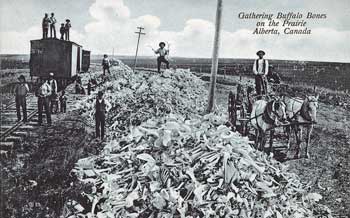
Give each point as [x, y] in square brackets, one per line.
[301, 111]
[266, 115]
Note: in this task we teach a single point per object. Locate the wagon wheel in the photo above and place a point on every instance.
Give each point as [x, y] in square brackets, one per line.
[232, 111]
[244, 118]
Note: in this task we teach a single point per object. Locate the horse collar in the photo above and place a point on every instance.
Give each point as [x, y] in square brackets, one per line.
[303, 111]
[266, 115]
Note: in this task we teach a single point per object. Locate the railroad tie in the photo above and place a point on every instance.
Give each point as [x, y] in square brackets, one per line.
[15, 139]
[20, 134]
[7, 145]
[4, 154]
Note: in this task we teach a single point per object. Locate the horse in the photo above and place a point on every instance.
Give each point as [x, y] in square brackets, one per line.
[302, 115]
[265, 116]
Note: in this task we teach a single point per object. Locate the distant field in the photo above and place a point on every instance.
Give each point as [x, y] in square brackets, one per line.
[330, 75]
[11, 75]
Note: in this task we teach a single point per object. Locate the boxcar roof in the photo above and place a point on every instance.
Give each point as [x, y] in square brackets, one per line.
[51, 39]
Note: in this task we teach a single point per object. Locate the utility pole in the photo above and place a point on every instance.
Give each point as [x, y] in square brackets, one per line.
[138, 41]
[215, 57]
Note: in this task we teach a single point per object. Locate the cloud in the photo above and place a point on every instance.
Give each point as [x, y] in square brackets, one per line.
[106, 9]
[114, 27]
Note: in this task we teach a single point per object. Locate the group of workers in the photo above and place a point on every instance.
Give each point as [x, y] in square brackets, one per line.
[50, 23]
[47, 99]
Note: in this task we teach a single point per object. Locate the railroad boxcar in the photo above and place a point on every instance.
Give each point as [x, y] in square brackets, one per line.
[63, 58]
[85, 65]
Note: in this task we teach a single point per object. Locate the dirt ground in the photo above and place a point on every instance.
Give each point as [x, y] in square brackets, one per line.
[328, 170]
[35, 178]
[329, 166]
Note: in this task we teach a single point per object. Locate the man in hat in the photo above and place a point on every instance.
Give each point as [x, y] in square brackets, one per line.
[260, 70]
[102, 106]
[21, 91]
[106, 64]
[62, 31]
[45, 26]
[162, 51]
[43, 94]
[67, 27]
[53, 21]
[54, 97]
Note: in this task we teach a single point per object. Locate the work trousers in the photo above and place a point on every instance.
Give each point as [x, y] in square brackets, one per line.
[45, 32]
[160, 60]
[260, 85]
[52, 30]
[21, 102]
[43, 102]
[62, 36]
[104, 70]
[100, 124]
[67, 35]
[63, 105]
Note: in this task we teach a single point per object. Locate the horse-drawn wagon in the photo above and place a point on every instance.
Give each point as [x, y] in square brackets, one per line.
[273, 112]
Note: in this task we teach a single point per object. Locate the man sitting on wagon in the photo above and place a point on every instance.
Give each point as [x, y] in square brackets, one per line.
[260, 70]
[272, 76]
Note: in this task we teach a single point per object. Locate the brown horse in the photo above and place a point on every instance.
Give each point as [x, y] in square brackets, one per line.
[264, 117]
[302, 115]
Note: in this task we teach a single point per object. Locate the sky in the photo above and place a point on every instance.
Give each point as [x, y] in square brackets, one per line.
[187, 25]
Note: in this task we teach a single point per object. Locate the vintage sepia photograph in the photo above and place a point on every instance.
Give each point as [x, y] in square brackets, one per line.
[175, 109]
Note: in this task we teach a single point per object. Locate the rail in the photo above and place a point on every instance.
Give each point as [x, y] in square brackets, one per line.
[6, 132]
[18, 124]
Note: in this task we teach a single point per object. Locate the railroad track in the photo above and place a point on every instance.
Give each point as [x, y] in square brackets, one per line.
[13, 131]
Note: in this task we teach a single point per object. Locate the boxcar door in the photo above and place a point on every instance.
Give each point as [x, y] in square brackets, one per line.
[36, 61]
[74, 60]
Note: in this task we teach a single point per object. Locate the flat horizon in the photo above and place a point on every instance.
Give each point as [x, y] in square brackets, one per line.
[179, 57]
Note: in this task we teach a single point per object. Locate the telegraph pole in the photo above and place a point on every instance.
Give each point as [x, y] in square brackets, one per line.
[215, 57]
[138, 41]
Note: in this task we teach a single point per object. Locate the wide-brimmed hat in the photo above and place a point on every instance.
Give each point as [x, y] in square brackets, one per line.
[21, 77]
[260, 52]
[67, 20]
[99, 93]
[51, 74]
[162, 43]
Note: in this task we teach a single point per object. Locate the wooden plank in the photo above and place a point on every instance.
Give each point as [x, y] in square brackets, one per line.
[20, 133]
[26, 127]
[6, 145]
[14, 139]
